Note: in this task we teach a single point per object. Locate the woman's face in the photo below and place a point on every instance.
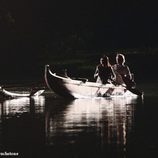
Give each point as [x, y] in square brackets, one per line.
[103, 61]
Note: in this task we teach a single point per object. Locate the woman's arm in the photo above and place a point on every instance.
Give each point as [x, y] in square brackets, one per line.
[96, 73]
[113, 75]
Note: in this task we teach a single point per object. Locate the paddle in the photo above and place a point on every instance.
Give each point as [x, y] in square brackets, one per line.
[131, 86]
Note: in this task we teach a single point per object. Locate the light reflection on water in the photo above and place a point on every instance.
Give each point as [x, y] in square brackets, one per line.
[21, 105]
[21, 124]
[110, 119]
[47, 125]
[68, 126]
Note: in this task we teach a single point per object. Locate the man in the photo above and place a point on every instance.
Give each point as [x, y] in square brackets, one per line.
[122, 72]
[123, 75]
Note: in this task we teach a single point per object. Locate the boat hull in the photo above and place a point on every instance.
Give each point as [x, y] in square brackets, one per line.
[7, 94]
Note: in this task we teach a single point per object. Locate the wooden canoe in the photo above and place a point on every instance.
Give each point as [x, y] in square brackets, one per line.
[74, 88]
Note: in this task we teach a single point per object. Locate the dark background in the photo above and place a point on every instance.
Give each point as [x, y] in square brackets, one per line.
[32, 33]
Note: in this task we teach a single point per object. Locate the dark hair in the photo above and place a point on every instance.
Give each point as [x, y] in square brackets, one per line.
[106, 58]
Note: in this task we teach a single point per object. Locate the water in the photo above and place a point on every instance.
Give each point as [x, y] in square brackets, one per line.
[49, 126]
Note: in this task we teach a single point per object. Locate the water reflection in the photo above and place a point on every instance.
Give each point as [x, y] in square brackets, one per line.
[21, 124]
[54, 125]
[108, 120]
[21, 105]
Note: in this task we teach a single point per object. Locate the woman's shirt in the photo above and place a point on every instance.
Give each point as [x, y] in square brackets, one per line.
[103, 74]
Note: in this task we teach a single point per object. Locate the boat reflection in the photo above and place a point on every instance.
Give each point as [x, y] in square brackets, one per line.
[18, 106]
[109, 119]
[21, 124]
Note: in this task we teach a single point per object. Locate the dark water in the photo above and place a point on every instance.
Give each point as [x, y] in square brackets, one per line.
[49, 126]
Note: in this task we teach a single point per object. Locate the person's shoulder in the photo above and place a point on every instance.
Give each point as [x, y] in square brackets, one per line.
[126, 66]
[110, 68]
[114, 66]
[98, 66]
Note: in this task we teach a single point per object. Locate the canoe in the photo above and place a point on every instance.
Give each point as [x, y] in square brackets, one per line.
[82, 88]
[7, 94]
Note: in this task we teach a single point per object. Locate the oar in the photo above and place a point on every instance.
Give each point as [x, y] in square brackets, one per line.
[135, 91]
[129, 84]
[129, 88]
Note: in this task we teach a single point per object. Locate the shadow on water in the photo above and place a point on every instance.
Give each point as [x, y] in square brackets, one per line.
[49, 126]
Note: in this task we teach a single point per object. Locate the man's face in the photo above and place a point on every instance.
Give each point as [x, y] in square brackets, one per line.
[119, 60]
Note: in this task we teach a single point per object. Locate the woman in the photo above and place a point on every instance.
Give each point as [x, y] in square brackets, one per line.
[104, 73]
